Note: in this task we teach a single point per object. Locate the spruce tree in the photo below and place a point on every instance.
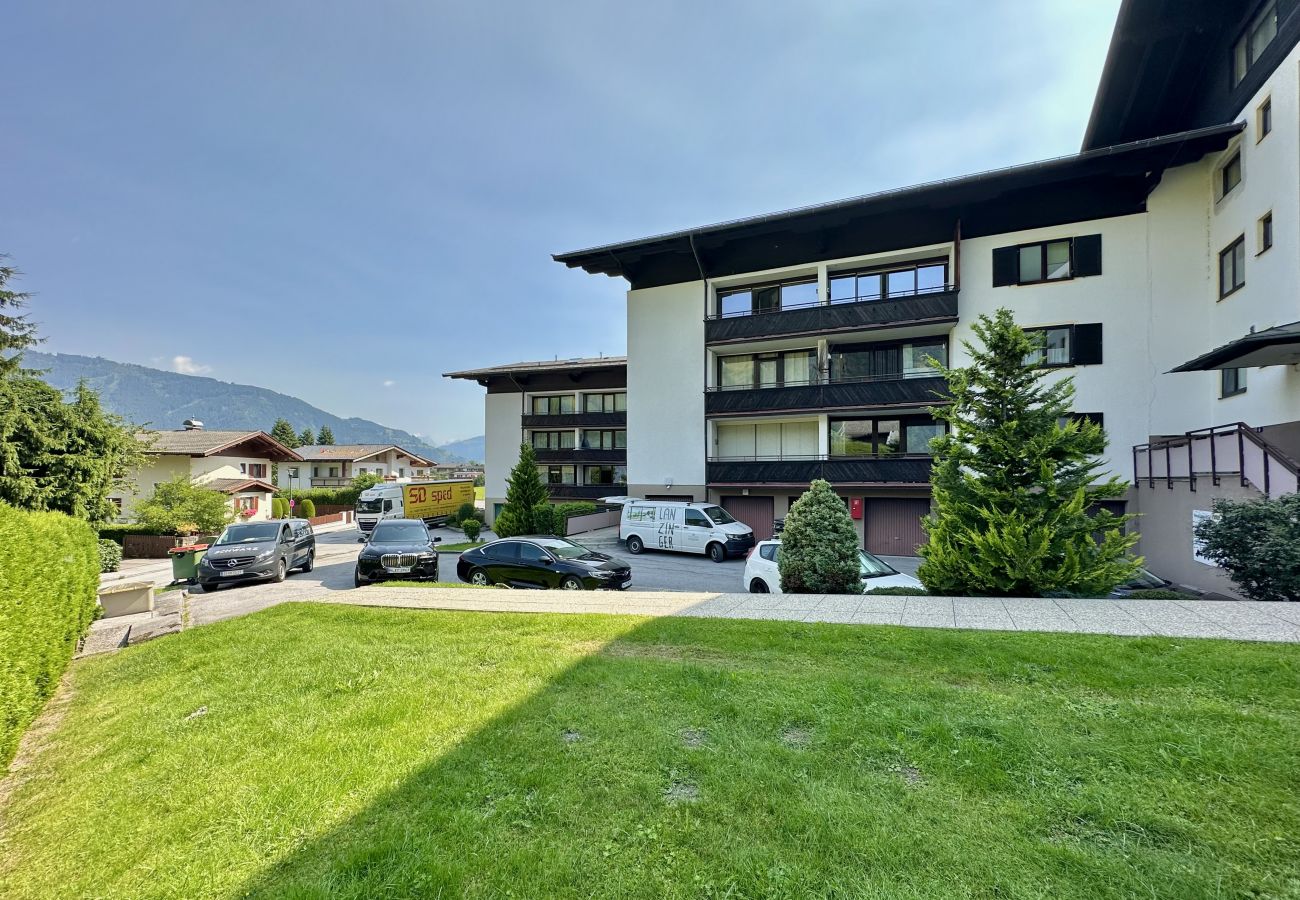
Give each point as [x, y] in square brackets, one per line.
[819, 545]
[525, 491]
[1015, 479]
[306, 438]
[326, 436]
[283, 432]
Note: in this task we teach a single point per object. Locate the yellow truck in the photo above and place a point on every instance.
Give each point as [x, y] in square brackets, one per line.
[432, 501]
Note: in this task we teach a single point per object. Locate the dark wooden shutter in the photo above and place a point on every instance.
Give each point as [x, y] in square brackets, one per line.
[1087, 345]
[1006, 266]
[1087, 255]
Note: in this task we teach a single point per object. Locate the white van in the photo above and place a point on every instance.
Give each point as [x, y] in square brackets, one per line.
[684, 527]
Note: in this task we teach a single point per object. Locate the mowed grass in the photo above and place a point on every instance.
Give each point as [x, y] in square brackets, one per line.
[352, 752]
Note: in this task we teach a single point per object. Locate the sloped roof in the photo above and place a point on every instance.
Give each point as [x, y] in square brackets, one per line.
[544, 365]
[201, 442]
[235, 485]
[355, 452]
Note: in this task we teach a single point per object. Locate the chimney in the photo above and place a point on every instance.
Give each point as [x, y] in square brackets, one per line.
[193, 425]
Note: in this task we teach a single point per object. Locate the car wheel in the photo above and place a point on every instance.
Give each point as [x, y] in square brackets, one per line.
[357, 580]
[634, 544]
[479, 577]
[571, 583]
[758, 586]
[717, 552]
[311, 561]
[281, 571]
[205, 588]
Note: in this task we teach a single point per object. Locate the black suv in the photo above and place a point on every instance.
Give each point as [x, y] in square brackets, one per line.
[397, 549]
[258, 551]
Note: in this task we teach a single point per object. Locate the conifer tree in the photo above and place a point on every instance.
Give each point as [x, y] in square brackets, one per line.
[283, 432]
[525, 492]
[819, 545]
[1015, 480]
[306, 438]
[326, 435]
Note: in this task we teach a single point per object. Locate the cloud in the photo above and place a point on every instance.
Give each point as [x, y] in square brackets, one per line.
[187, 366]
[388, 382]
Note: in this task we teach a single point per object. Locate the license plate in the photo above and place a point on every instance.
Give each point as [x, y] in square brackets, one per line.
[232, 572]
[626, 582]
[397, 570]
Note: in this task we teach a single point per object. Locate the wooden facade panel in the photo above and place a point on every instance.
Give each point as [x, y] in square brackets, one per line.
[893, 525]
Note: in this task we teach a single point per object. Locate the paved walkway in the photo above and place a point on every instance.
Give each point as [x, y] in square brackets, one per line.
[1170, 618]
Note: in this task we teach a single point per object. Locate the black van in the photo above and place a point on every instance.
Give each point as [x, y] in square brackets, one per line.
[258, 551]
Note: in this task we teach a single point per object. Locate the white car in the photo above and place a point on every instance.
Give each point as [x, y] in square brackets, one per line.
[762, 576]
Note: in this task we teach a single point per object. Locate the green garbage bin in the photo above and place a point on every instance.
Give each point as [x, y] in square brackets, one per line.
[185, 561]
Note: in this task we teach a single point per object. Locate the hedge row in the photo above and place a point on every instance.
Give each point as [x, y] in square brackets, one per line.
[44, 610]
[116, 532]
[344, 496]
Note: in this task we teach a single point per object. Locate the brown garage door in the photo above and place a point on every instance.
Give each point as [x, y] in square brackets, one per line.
[756, 512]
[894, 525]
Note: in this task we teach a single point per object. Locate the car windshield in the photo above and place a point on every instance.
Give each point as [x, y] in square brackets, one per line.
[562, 548]
[249, 534]
[369, 506]
[1144, 579]
[394, 532]
[719, 515]
[873, 567]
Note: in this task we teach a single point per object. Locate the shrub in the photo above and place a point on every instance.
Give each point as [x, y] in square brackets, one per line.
[1258, 543]
[526, 497]
[545, 519]
[507, 524]
[1155, 594]
[115, 532]
[185, 508]
[306, 508]
[819, 545]
[110, 555]
[278, 506]
[472, 528]
[44, 610]
[366, 480]
[565, 511]
[899, 592]
[346, 496]
[466, 511]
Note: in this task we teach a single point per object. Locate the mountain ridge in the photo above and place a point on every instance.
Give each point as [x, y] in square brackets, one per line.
[160, 399]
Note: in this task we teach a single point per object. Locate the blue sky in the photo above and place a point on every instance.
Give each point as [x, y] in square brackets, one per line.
[342, 200]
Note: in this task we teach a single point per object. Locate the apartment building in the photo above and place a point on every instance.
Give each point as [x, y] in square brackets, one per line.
[574, 414]
[1161, 261]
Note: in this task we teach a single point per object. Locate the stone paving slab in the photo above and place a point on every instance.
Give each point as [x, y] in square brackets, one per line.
[1192, 619]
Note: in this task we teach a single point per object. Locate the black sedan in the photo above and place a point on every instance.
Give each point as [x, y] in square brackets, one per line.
[397, 549]
[542, 562]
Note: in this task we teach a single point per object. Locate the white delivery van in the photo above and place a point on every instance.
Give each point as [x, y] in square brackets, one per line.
[683, 527]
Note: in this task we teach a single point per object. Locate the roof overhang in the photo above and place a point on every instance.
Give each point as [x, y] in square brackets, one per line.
[263, 444]
[234, 486]
[1101, 183]
[1278, 346]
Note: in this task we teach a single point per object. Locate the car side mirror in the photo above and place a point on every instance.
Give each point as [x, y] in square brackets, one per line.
[361, 540]
[437, 540]
[546, 561]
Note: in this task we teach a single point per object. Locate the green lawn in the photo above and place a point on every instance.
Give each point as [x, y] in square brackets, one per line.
[480, 492]
[352, 752]
[457, 548]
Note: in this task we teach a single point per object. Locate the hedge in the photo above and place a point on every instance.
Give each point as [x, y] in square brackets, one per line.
[306, 509]
[346, 496]
[116, 532]
[44, 610]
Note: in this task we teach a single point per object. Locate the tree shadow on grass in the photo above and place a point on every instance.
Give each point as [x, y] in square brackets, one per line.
[661, 764]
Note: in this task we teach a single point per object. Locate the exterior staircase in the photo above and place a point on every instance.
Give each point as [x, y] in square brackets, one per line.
[1234, 451]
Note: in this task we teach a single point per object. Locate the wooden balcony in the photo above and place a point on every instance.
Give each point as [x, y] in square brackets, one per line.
[900, 469]
[819, 318]
[886, 392]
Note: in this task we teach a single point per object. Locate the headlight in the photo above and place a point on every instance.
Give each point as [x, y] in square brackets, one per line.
[428, 556]
[262, 557]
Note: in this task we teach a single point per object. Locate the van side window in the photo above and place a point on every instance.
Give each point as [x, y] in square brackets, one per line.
[695, 517]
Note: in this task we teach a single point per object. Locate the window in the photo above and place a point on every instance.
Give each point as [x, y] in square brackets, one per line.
[883, 436]
[605, 475]
[1232, 267]
[117, 504]
[604, 439]
[559, 405]
[605, 403]
[794, 367]
[696, 518]
[885, 360]
[1056, 260]
[553, 440]
[245, 504]
[257, 470]
[243, 468]
[315, 471]
[558, 474]
[876, 284]
[1232, 382]
[293, 471]
[1264, 119]
[1067, 345]
[767, 298]
[1230, 175]
[768, 552]
[531, 553]
[1265, 232]
[1258, 35]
